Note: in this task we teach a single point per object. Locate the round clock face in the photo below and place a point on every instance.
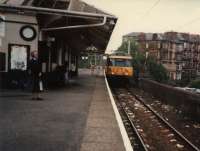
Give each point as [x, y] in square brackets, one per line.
[28, 33]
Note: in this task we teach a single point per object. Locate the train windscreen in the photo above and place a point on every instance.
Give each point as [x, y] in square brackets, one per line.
[119, 62]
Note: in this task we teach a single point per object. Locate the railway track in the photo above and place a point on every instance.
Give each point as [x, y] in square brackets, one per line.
[147, 130]
[135, 138]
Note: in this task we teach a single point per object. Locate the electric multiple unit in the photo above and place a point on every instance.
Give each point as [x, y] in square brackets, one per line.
[119, 66]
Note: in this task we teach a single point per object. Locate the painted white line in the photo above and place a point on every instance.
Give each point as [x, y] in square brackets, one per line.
[127, 143]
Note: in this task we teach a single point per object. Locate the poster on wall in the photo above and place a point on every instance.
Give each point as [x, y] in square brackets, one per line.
[18, 58]
[2, 26]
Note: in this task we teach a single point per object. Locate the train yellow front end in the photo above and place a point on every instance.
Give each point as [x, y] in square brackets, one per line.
[119, 66]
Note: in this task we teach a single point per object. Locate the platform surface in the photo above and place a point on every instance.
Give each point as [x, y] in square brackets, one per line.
[78, 117]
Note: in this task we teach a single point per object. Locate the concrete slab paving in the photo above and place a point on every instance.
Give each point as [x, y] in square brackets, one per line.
[102, 131]
[55, 124]
[77, 117]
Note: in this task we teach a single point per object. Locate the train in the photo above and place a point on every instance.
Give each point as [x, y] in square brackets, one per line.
[119, 66]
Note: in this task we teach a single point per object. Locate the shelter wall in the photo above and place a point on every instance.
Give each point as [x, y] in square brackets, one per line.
[11, 33]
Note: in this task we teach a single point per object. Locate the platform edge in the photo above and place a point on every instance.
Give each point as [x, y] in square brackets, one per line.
[126, 141]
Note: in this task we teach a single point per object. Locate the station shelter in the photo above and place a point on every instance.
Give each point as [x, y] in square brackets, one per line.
[60, 30]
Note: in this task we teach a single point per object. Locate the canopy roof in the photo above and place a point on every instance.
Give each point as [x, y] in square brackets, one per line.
[81, 25]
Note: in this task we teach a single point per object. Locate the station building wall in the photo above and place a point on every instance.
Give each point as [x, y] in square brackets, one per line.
[15, 49]
[52, 56]
[10, 35]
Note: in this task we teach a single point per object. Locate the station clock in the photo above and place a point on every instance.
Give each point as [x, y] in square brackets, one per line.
[28, 33]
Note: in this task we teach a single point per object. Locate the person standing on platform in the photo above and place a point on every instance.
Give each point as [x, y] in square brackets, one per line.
[36, 74]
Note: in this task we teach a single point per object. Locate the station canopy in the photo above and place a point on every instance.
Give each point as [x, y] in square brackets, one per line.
[81, 25]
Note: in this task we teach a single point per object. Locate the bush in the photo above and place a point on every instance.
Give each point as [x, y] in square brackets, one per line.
[138, 61]
[157, 71]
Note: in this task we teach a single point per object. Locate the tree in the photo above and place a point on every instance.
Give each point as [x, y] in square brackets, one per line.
[139, 62]
[123, 47]
[125, 44]
[156, 70]
[138, 58]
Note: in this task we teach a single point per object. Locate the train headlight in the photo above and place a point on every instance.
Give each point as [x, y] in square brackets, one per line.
[113, 73]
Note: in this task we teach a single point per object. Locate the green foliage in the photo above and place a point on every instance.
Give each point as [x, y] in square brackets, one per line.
[195, 84]
[157, 71]
[138, 58]
[124, 46]
[138, 61]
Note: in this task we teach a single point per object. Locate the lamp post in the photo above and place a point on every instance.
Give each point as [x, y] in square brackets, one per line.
[129, 47]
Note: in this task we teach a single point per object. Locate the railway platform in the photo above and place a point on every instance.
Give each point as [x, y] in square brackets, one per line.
[78, 117]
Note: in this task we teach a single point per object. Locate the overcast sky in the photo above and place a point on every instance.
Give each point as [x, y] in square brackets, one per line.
[137, 16]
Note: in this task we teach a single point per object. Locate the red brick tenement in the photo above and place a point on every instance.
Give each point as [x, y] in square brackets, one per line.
[178, 52]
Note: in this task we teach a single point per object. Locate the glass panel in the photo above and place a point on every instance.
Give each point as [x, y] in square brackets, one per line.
[120, 62]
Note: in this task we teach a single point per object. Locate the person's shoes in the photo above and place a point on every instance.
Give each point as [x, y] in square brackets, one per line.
[39, 99]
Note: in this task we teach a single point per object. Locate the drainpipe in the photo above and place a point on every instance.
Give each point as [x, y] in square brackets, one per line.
[77, 26]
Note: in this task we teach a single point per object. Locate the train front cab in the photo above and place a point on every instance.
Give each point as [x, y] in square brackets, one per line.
[119, 67]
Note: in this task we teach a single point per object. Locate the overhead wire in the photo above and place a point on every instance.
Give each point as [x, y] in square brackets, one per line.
[150, 9]
[147, 12]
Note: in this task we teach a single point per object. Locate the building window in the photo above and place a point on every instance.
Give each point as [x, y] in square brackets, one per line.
[185, 45]
[2, 61]
[147, 45]
[178, 76]
[159, 46]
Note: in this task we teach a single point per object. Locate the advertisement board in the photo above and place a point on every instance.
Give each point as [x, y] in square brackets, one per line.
[18, 58]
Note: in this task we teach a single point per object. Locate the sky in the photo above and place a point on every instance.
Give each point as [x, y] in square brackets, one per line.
[150, 16]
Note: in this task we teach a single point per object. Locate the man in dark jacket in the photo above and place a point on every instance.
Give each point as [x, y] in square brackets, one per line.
[35, 71]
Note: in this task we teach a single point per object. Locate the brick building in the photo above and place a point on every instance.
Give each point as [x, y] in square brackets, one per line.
[178, 52]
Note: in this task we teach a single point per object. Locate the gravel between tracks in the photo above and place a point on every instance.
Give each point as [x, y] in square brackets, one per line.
[189, 127]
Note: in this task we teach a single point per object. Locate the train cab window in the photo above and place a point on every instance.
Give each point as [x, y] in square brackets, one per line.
[121, 62]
